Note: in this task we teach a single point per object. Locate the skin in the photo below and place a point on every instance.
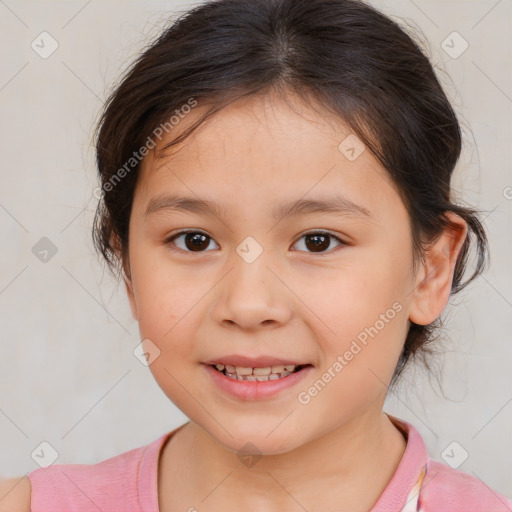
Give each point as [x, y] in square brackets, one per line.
[339, 451]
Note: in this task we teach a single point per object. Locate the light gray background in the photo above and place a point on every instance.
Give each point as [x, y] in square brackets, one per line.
[67, 370]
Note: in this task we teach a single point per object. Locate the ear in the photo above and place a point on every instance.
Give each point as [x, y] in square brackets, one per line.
[131, 296]
[126, 273]
[435, 276]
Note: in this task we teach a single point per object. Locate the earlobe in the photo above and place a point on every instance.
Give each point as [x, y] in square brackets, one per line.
[435, 277]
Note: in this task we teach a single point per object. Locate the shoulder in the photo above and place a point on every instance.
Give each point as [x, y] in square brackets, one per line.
[15, 494]
[77, 487]
[446, 489]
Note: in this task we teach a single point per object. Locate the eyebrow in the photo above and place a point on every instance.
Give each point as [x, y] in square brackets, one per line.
[334, 205]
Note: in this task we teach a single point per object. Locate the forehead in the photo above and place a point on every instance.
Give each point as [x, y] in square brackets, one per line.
[269, 120]
[263, 148]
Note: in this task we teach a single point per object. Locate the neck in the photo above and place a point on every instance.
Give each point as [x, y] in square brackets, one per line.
[350, 465]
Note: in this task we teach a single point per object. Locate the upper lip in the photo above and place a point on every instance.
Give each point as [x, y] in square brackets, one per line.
[253, 362]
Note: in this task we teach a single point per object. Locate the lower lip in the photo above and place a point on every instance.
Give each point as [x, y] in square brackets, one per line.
[255, 390]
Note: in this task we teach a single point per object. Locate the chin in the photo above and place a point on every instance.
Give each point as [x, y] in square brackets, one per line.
[256, 437]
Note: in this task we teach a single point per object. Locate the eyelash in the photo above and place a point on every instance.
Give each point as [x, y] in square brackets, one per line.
[170, 240]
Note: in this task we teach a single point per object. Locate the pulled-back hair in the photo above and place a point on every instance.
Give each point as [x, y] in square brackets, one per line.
[353, 60]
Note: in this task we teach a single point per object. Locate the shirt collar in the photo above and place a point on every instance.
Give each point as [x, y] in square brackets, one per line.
[401, 489]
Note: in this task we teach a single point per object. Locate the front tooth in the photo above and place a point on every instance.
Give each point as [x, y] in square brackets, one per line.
[243, 370]
[278, 369]
[262, 371]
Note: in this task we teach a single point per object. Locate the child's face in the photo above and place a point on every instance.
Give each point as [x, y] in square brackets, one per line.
[293, 302]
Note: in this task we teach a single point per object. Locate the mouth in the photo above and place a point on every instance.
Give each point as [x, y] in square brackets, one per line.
[258, 374]
[267, 379]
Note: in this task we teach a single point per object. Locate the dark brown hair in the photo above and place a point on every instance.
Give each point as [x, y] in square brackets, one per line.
[349, 57]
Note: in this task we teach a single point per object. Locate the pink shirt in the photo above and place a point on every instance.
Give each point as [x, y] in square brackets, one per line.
[128, 483]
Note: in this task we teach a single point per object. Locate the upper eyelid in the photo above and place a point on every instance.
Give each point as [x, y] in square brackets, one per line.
[308, 232]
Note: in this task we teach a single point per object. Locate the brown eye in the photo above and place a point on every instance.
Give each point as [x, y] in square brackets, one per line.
[319, 242]
[194, 241]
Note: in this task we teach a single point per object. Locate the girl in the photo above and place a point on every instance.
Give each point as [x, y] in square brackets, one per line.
[275, 193]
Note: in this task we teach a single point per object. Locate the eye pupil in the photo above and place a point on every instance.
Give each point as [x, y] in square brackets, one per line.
[197, 241]
[319, 241]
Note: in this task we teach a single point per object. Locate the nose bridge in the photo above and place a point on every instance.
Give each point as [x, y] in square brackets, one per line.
[251, 293]
[250, 262]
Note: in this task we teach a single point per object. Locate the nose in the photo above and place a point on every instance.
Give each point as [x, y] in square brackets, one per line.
[252, 296]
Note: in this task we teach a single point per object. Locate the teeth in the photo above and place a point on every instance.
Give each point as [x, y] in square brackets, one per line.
[262, 371]
[243, 370]
[246, 370]
[260, 378]
[256, 374]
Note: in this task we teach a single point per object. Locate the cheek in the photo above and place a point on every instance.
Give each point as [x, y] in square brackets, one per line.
[165, 298]
[362, 313]
[360, 349]
[167, 315]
